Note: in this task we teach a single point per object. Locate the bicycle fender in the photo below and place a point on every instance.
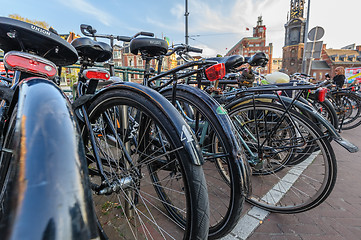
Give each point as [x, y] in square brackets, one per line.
[228, 127]
[183, 130]
[53, 198]
[306, 109]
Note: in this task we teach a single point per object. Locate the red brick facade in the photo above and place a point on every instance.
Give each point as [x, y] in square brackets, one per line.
[250, 45]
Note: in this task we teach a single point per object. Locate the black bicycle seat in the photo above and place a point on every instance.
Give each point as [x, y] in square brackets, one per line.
[230, 62]
[93, 50]
[22, 36]
[149, 46]
[258, 59]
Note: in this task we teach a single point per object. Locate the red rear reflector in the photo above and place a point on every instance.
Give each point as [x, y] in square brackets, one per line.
[26, 62]
[322, 94]
[216, 72]
[96, 74]
[352, 89]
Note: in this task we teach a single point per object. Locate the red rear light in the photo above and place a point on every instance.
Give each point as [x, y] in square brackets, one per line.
[352, 89]
[322, 94]
[216, 72]
[26, 62]
[96, 74]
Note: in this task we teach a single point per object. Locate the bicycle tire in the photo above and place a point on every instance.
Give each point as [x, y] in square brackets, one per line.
[348, 108]
[8, 173]
[188, 210]
[295, 188]
[226, 194]
[327, 110]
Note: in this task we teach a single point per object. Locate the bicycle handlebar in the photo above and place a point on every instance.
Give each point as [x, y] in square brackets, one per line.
[89, 31]
[182, 48]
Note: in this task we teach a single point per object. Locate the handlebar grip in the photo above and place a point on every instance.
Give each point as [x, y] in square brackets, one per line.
[124, 38]
[149, 34]
[324, 83]
[87, 30]
[193, 49]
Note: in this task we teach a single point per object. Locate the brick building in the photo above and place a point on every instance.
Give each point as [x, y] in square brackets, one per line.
[123, 57]
[257, 43]
[332, 58]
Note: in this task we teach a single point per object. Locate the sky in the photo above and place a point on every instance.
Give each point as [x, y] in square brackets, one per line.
[214, 25]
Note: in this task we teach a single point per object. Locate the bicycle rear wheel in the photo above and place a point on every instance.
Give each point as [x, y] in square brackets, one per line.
[154, 190]
[348, 108]
[285, 186]
[8, 172]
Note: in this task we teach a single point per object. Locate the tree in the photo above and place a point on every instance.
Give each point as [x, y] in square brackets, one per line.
[41, 24]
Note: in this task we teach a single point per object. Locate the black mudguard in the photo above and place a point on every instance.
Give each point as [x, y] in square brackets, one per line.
[52, 197]
[183, 130]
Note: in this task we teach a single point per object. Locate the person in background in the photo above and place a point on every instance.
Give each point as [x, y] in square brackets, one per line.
[339, 78]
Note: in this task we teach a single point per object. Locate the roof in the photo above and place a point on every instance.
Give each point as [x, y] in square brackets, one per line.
[320, 65]
[340, 52]
[343, 56]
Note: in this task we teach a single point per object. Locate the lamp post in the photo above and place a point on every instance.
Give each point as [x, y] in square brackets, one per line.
[186, 21]
[305, 38]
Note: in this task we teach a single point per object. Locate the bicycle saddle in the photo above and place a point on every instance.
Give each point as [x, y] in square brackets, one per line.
[149, 46]
[93, 50]
[230, 62]
[258, 59]
[21, 36]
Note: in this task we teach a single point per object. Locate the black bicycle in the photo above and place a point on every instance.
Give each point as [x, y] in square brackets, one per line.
[226, 173]
[144, 162]
[44, 185]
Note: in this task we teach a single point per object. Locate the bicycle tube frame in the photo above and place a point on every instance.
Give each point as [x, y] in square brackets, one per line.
[53, 196]
[304, 108]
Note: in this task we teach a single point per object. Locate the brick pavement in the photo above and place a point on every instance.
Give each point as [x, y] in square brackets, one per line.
[338, 218]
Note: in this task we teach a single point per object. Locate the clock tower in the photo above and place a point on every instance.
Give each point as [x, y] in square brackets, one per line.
[294, 38]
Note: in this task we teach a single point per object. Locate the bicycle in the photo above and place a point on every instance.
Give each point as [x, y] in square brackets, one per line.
[144, 162]
[294, 167]
[44, 188]
[213, 131]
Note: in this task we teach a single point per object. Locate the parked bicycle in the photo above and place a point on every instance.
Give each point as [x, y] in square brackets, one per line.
[211, 126]
[44, 185]
[144, 162]
[294, 167]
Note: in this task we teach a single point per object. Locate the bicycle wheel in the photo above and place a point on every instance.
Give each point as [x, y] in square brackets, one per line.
[327, 110]
[153, 190]
[8, 172]
[294, 187]
[226, 194]
[348, 108]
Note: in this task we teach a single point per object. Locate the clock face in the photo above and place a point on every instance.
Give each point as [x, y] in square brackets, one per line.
[295, 13]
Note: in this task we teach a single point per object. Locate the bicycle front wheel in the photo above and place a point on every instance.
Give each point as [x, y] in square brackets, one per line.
[285, 186]
[152, 189]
